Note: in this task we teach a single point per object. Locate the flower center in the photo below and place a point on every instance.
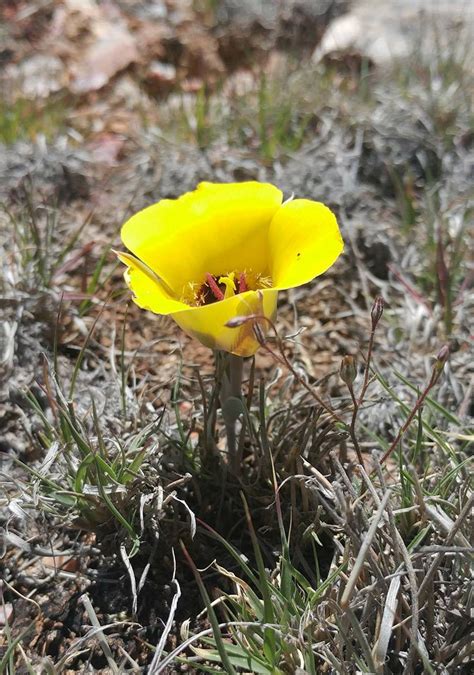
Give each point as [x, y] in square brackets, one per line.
[217, 287]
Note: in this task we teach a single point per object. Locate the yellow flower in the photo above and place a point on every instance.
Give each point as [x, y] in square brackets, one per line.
[225, 250]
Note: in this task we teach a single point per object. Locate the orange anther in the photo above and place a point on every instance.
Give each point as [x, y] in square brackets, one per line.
[216, 291]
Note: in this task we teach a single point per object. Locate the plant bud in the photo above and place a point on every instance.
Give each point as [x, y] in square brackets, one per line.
[348, 370]
[442, 357]
[377, 311]
[238, 321]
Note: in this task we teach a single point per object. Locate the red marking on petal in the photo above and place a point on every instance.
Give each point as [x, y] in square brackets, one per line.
[216, 291]
[242, 283]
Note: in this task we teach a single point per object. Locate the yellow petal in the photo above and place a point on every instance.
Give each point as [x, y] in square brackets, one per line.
[147, 290]
[208, 323]
[217, 228]
[131, 261]
[304, 241]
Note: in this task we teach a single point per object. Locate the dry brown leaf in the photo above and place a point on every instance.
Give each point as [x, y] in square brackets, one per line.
[113, 51]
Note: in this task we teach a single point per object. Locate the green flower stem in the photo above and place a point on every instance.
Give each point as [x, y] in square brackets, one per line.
[232, 406]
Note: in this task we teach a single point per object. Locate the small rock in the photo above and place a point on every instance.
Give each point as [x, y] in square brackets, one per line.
[160, 78]
[392, 30]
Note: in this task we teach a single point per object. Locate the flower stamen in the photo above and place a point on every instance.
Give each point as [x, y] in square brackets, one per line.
[242, 283]
[216, 291]
[217, 287]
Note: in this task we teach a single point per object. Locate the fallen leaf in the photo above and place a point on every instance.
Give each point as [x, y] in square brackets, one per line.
[113, 50]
